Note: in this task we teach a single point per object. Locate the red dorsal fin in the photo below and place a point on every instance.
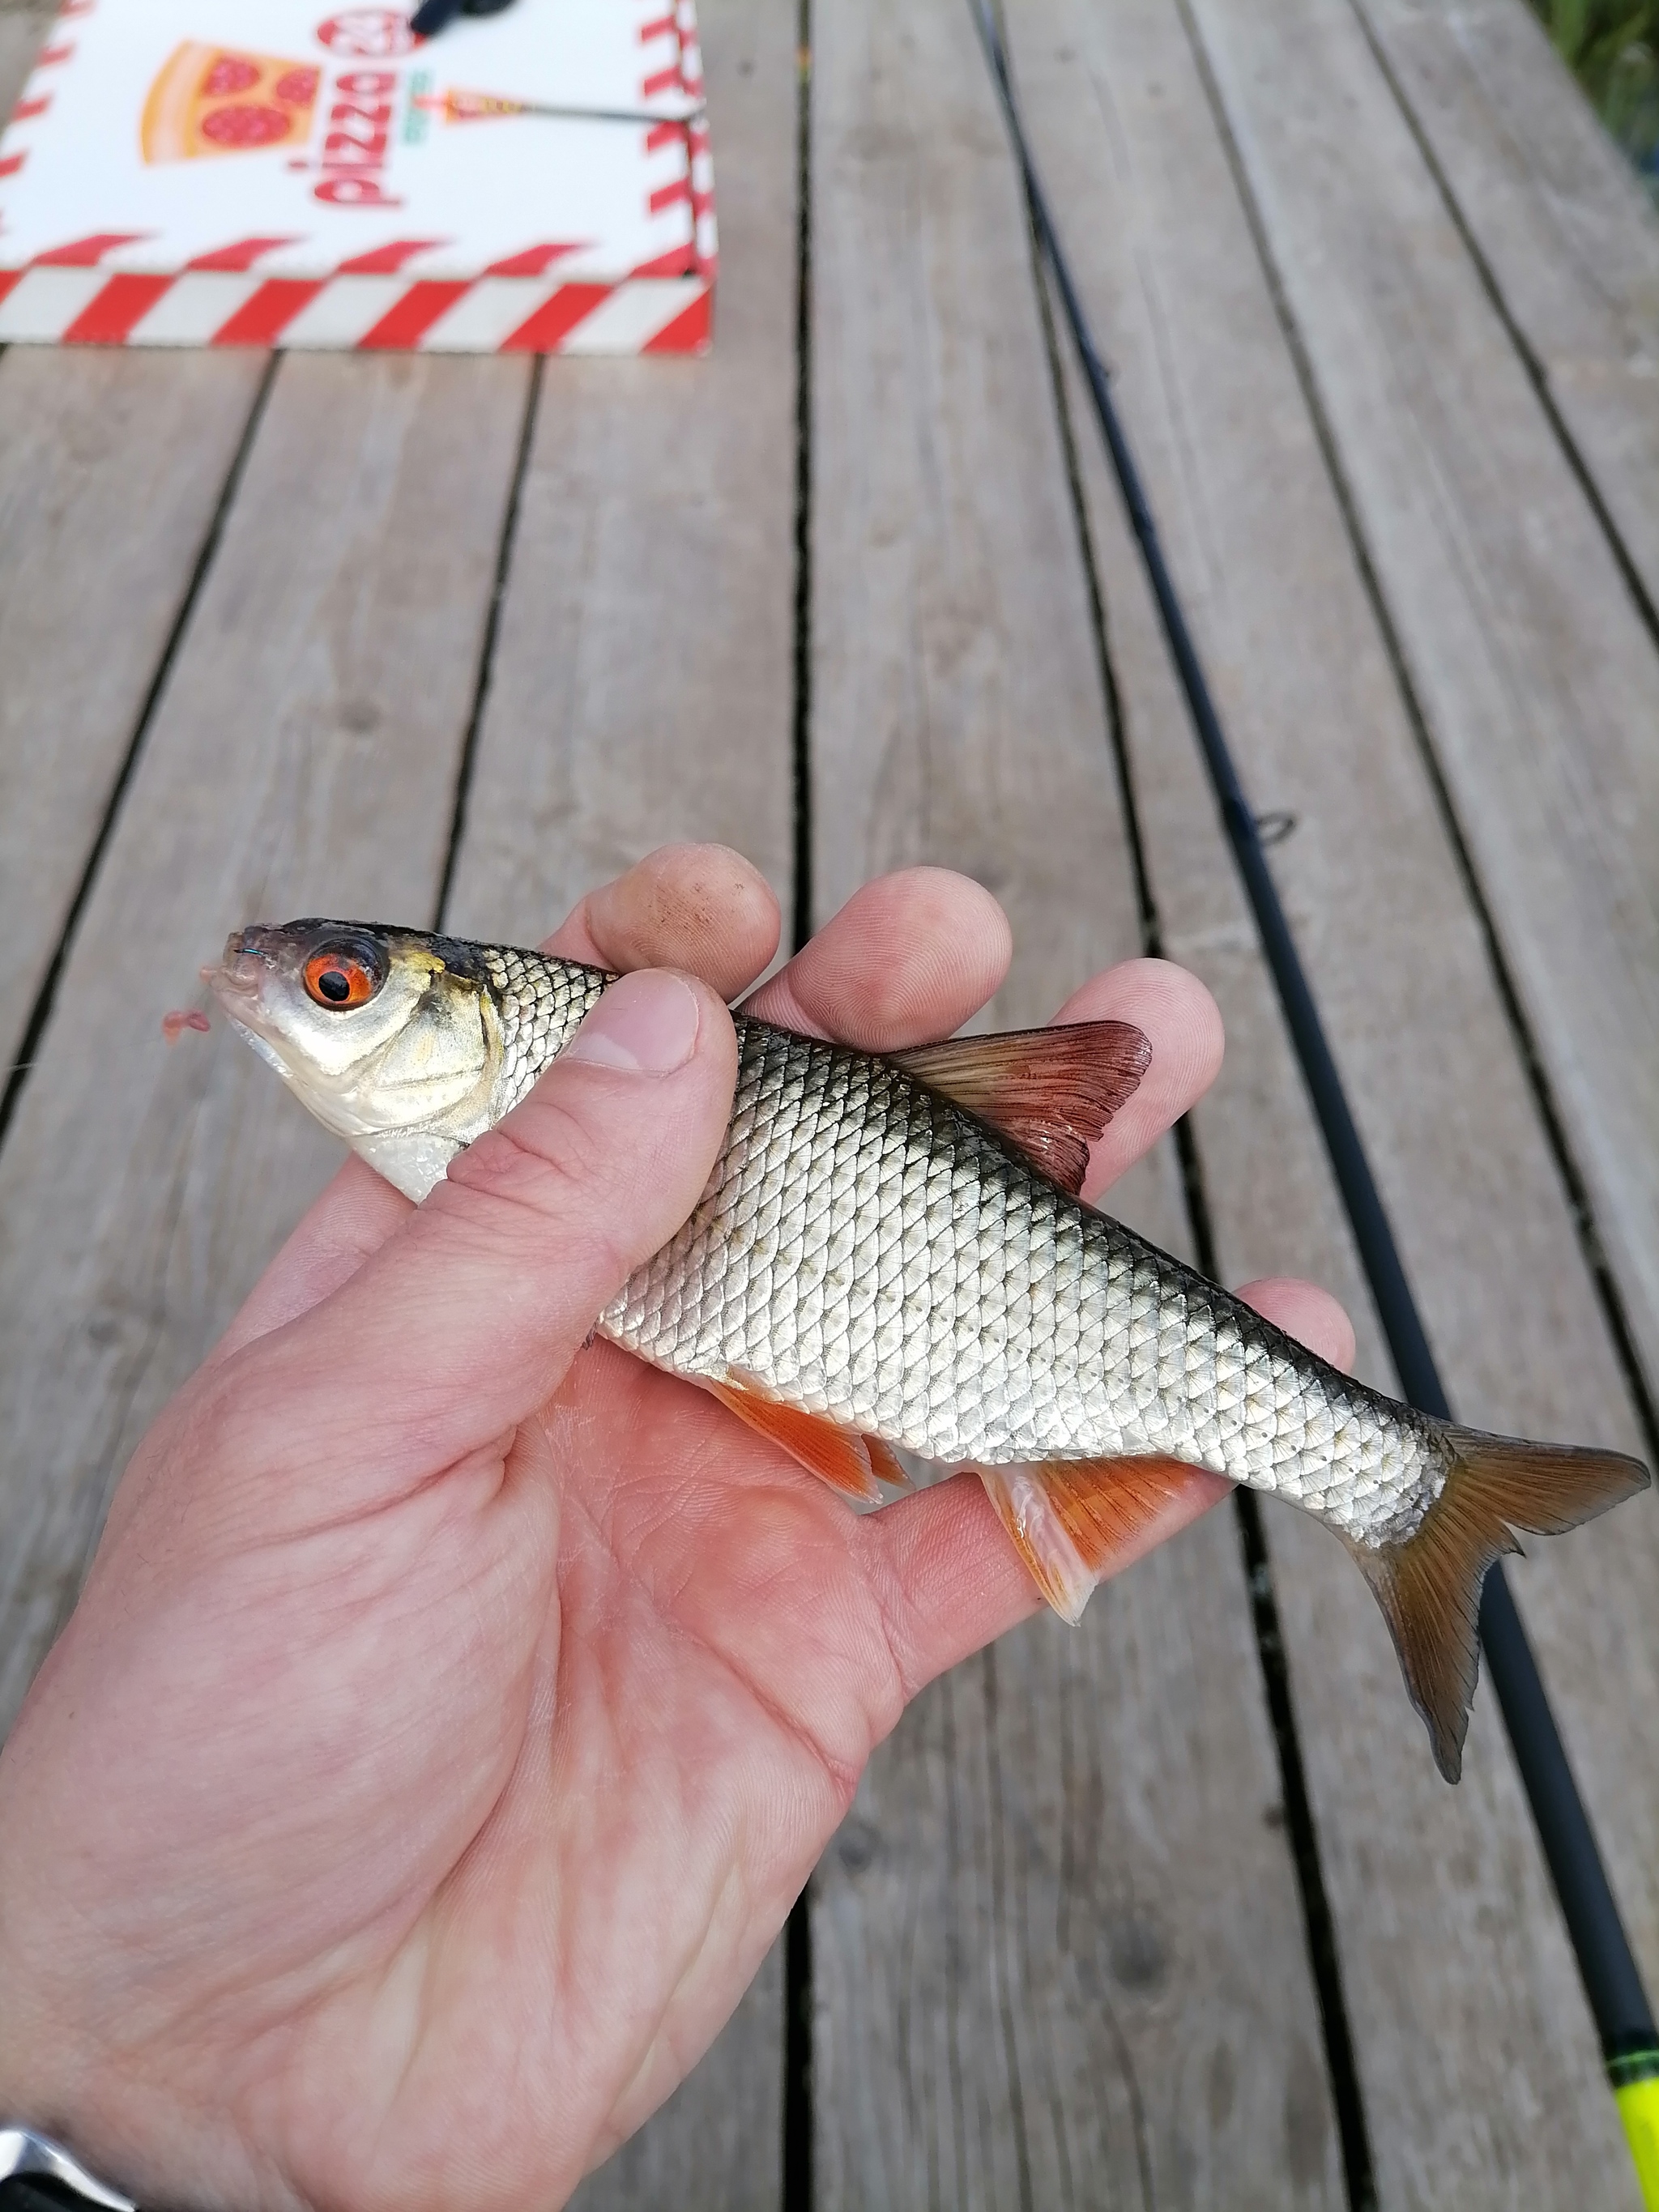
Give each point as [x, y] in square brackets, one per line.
[842, 1457]
[1050, 1093]
[1074, 1521]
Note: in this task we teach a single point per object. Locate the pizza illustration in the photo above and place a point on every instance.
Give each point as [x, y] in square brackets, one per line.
[222, 99]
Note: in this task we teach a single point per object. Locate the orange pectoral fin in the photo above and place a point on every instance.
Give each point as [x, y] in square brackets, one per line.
[846, 1461]
[1076, 1522]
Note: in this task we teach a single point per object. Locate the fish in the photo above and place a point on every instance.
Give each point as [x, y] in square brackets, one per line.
[892, 1255]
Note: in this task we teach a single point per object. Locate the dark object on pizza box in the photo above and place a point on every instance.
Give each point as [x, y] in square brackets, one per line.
[429, 20]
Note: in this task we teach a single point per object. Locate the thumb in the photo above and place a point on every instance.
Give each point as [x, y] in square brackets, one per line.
[464, 1322]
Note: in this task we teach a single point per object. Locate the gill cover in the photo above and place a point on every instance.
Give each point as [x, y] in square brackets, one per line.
[390, 1037]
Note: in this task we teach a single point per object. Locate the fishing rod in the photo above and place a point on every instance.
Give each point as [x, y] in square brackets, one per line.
[1612, 1979]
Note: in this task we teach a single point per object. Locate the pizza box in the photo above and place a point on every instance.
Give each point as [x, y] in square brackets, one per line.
[191, 173]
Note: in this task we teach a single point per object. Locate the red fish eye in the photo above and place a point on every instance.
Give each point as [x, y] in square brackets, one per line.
[337, 980]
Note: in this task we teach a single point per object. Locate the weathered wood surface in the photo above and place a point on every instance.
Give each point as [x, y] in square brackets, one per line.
[111, 469]
[1057, 1948]
[1466, 2016]
[1562, 736]
[642, 692]
[643, 681]
[302, 760]
[1569, 237]
[1060, 1954]
[1537, 680]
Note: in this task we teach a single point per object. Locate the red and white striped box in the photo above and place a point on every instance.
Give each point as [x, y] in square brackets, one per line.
[184, 173]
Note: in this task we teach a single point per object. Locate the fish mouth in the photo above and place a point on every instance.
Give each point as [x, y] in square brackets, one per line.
[249, 958]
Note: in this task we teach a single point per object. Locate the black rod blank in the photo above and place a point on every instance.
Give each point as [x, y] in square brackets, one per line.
[1613, 1982]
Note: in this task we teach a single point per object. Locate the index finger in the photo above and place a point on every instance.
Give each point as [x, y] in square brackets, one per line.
[702, 908]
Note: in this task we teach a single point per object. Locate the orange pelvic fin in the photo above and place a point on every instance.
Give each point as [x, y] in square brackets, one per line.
[1050, 1093]
[1429, 1587]
[856, 1465]
[1075, 1521]
[885, 1463]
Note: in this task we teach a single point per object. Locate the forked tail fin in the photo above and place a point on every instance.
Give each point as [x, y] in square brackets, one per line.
[1429, 1587]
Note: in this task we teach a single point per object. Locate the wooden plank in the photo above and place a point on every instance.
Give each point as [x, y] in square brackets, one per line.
[303, 759]
[1569, 235]
[1057, 1949]
[1537, 680]
[642, 693]
[111, 469]
[643, 684]
[1538, 158]
[1461, 1994]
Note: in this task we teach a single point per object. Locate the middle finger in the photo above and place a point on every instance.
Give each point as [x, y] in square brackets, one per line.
[912, 956]
[908, 959]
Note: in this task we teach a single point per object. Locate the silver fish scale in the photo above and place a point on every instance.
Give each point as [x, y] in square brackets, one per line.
[540, 1002]
[869, 1253]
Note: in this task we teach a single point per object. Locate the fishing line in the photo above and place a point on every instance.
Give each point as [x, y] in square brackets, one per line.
[1613, 1982]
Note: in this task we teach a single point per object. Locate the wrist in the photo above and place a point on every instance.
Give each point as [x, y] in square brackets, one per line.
[62, 2079]
[26, 2156]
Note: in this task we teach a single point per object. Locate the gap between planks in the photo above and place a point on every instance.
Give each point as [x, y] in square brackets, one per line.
[302, 761]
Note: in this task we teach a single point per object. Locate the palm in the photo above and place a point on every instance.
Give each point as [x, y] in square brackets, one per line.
[646, 1748]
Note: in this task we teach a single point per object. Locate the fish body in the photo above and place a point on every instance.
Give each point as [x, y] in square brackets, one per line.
[890, 1252]
[868, 1251]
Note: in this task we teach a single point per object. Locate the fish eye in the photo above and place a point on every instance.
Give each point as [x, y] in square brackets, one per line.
[339, 978]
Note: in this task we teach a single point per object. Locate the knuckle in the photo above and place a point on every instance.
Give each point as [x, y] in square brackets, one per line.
[224, 1420]
[539, 1160]
[891, 1673]
[544, 1165]
[899, 1675]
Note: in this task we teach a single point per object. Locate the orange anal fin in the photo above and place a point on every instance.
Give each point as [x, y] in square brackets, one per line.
[1076, 1522]
[846, 1461]
[886, 1464]
[1050, 1093]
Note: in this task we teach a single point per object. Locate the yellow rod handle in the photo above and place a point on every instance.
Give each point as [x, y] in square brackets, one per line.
[1639, 2108]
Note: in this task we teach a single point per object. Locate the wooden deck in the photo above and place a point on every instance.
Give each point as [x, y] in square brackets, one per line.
[330, 635]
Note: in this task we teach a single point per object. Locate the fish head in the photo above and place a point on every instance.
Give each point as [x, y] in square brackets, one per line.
[393, 1039]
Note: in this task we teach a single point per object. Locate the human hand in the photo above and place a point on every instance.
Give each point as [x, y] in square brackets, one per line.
[455, 1707]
